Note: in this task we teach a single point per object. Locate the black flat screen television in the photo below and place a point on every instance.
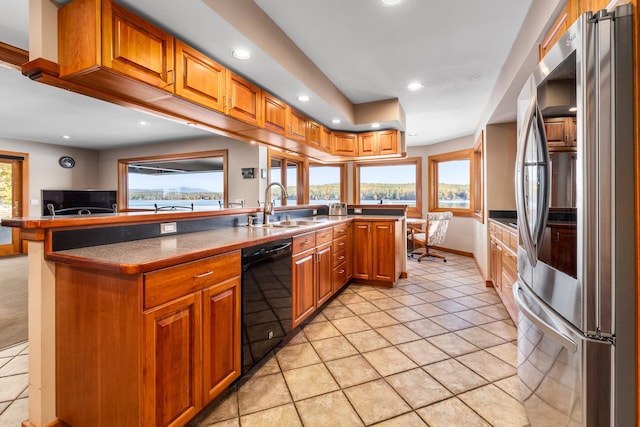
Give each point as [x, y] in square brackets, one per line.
[78, 202]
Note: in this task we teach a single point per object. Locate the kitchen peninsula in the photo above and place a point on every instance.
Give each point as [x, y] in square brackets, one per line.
[131, 327]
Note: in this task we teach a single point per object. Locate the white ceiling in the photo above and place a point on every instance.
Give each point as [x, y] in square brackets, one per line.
[456, 49]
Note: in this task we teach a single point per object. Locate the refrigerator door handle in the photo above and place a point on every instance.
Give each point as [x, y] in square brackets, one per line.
[544, 326]
[524, 229]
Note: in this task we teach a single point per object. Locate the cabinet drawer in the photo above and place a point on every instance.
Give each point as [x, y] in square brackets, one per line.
[340, 244]
[339, 257]
[340, 230]
[324, 236]
[509, 267]
[169, 283]
[304, 242]
[340, 276]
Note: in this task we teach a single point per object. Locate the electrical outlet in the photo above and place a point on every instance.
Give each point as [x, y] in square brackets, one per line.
[315, 212]
[357, 210]
[168, 227]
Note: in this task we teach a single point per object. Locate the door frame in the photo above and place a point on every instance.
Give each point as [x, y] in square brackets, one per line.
[20, 246]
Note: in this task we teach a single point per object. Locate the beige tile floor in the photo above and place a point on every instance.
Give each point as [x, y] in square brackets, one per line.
[437, 350]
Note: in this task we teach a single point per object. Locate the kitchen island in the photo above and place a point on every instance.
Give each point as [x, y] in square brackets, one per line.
[146, 331]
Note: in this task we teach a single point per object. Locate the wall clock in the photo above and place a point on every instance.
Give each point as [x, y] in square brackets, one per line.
[66, 162]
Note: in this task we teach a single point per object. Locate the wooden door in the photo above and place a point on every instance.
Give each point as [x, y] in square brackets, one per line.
[383, 251]
[11, 202]
[198, 78]
[221, 363]
[243, 99]
[324, 273]
[275, 114]
[135, 48]
[298, 126]
[387, 142]
[367, 144]
[344, 144]
[173, 373]
[361, 250]
[303, 293]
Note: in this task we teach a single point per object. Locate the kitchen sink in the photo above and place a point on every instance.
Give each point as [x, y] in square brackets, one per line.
[276, 225]
[296, 222]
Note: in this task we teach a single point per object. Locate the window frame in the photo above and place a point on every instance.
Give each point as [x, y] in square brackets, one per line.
[343, 179]
[477, 173]
[123, 172]
[301, 175]
[434, 162]
[412, 212]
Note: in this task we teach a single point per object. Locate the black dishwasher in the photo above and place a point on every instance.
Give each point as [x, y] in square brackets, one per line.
[266, 299]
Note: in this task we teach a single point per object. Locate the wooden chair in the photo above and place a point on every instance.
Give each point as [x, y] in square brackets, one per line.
[433, 235]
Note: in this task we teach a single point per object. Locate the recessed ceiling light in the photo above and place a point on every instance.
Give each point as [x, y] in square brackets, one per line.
[66, 137]
[375, 125]
[304, 98]
[242, 54]
[413, 134]
[415, 86]
[573, 109]
[335, 121]
[143, 123]
[391, 2]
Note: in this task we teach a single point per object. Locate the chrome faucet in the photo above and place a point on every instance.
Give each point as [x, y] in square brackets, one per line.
[268, 205]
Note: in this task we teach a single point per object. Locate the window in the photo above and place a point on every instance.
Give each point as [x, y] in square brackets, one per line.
[174, 180]
[478, 181]
[390, 182]
[288, 171]
[450, 184]
[326, 183]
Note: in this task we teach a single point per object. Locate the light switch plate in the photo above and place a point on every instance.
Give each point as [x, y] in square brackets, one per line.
[168, 227]
[357, 210]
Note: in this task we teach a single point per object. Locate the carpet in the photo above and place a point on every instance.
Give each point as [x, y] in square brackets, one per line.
[13, 300]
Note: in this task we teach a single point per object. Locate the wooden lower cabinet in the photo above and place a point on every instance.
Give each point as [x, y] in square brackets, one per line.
[375, 259]
[150, 349]
[312, 273]
[172, 359]
[503, 264]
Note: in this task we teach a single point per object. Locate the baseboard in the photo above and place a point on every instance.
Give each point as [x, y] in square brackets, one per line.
[453, 251]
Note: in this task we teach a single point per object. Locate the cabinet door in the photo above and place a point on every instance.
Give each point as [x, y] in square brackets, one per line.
[383, 251]
[556, 132]
[298, 126]
[367, 144]
[315, 134]
[199, 78]
[344, 144]
[221, 337]
[243, 99]
[362, 250]
[302, 286]
[275, 114]
[324, 273]
[133, 47]
[387, 142]
[325, 139]
[558, 28]
[172, 375]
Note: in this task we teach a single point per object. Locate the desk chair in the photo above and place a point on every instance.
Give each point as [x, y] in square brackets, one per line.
[434, 234]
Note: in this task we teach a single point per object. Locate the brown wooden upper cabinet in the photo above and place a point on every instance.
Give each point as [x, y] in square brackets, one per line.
[319, 136]
[567, 16]
[297, 126]
[244, 99]
[344, 144]
[98, 38]
[199, 78]
[377, 143]
[561, 131]
[275, 114]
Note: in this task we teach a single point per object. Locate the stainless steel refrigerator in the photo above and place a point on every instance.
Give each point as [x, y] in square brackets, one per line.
[576, 288]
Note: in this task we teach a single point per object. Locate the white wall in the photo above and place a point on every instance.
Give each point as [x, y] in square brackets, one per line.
[240, 155]
[460, 234]
[45, 173]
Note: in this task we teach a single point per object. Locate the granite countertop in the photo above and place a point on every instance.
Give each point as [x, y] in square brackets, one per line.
[140, 256]
[509, 222]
